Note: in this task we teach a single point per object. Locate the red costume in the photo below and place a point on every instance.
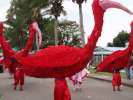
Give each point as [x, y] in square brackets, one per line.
[19, 78]
[116, 79]
[118, 59]
[62, 61]
[61, 91]
[9, 61]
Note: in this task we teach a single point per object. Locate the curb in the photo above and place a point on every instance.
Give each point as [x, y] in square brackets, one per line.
[109, 80]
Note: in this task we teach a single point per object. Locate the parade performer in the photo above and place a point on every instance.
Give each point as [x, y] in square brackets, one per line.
[78, 78]
[64, 61]
[116, 79]
[19, 78]
[119, 59]
[15, 68]
[64, 93]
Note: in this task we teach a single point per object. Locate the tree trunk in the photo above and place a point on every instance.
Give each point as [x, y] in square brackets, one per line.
[81, 25]
[55, 32]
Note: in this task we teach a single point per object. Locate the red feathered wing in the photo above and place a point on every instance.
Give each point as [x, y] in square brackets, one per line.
[118, 59]
[53, 57]
[56, 61]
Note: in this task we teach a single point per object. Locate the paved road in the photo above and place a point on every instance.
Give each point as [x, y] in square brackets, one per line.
[42, 89]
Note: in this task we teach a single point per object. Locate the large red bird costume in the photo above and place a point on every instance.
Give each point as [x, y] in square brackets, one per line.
[14, 67]
[118, 59]
[64, 61]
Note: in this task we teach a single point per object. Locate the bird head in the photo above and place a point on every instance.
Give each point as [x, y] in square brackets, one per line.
[36, 27]
[105, 4]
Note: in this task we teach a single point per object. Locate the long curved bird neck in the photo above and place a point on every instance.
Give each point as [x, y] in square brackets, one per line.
[130, 46]
[5, 46]
[99, 7]
[30, 41]
[98, 13]
[8, 51]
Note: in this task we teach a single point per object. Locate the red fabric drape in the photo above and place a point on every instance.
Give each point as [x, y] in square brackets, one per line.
[116, 79]
[19, 76]
[61, 91]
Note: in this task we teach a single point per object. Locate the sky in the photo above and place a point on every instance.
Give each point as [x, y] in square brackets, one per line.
[114, 20]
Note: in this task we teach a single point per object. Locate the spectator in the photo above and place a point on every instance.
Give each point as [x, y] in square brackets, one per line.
[131, 72]
[127, 69]
[78, 78]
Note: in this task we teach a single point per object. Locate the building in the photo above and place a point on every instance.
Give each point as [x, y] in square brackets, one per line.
[101, 52]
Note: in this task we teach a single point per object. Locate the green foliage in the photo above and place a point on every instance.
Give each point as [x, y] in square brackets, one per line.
[120, 40]
[69, 33]
[110, 44]
[56, 8]
[47, 25]
[22, 12]
[16, 34]
[26, 10]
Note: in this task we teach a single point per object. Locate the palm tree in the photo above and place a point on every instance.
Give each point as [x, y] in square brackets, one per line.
[79, 2]
[56, 10]
[25, 11]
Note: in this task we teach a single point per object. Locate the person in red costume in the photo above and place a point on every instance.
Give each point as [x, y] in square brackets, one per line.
[19, 78]
[116, 79]
[63, 61]
[9, 61]
[61, 94]
[118, 59]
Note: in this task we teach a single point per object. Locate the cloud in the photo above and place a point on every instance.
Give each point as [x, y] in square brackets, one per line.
[4, 5]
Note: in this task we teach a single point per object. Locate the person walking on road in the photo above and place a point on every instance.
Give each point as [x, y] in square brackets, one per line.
[19, 78]
[116, 79]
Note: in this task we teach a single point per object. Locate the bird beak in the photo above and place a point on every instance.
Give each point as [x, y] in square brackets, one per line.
[105, 4]
[36, 27]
